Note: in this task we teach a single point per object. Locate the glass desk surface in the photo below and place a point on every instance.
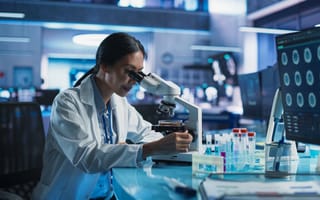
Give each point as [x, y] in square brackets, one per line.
[140, 183]
[149, 183]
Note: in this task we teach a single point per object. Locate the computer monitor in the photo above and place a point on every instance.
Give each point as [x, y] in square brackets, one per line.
[250, 90]
[298, 56]
[45, 97]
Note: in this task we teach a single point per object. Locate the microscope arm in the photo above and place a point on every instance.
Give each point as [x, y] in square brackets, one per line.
[194, 121]
[154, 84]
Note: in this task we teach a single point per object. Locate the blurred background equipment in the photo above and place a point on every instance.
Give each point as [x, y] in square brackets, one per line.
[21, 147]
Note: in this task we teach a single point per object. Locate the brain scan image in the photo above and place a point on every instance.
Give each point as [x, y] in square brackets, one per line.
[284, 58]
[312, 100]
[309, 77]
[295, 57]
[300, 100]
[297, 78]
[288, 99]
[307, 55]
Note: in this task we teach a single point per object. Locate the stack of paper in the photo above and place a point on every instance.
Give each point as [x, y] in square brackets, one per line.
[221, 189]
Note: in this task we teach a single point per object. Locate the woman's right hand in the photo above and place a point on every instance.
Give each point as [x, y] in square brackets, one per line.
[172, 143]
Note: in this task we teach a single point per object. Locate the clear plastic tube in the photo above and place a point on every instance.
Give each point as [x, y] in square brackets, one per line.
[208, 144]
[251, 148]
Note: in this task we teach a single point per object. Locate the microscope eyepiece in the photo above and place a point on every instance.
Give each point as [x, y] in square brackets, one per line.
[137, 76]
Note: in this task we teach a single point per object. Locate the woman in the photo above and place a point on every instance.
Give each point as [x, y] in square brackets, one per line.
[91, 123]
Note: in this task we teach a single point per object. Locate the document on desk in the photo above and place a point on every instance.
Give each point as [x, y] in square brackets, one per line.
[211, 189]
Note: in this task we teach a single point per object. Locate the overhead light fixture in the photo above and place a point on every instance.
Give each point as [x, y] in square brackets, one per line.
[76, 26]
[15, 39]
[133, 3]
[120, 28]
[12, 15]
[89, 39]
[71, 55]
[265, 30]
[228, 7]
[273, 8]
[215, 48]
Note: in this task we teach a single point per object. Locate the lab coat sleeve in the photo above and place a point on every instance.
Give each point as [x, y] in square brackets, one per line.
[75, 129]
[139, 130]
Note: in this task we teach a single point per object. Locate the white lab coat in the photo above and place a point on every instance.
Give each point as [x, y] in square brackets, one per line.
[75, 155]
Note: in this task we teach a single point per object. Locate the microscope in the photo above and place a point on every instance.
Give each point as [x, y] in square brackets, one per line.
[170, 93]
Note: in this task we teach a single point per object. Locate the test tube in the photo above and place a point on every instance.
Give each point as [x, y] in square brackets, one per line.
[236, 148]
[217, 144]
[244, 145]
[229, 145]
[208, 144]
[251, 148]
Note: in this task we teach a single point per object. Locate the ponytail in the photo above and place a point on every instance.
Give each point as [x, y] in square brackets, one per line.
[93, 70]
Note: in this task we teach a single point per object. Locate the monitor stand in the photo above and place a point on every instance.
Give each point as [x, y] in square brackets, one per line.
[275, 125]
[276, 135]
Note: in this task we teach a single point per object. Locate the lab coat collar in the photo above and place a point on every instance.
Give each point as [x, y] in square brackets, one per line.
[87, 96]
[113, 103]
[86, 91]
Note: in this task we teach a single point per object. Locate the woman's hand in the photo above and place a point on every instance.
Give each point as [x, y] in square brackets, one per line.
[172, 143]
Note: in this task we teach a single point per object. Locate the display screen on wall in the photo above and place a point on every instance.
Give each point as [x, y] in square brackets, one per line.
[22, 76]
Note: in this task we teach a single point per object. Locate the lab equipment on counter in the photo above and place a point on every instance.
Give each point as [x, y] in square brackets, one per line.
[251, 148]
[170, 93]
[207, 162]
[232, 151]
[203, 165]
[208, 148]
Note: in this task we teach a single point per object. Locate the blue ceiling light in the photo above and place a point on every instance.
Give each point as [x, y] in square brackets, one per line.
[228, 7]
[14, 39]
[265, 30]
[215, 48]
[12, 15]
[132, 3]
[89, 39]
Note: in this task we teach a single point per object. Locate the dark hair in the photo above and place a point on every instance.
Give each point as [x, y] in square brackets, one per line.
[112, 49]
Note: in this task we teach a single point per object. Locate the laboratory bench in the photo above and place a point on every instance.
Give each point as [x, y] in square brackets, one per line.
[150, 182]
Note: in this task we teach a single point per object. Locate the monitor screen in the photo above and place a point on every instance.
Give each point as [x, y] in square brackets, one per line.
[250, 89]
[45, 97]
[298, 56]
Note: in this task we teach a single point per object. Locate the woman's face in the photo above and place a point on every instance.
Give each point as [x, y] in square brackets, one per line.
[117, 77]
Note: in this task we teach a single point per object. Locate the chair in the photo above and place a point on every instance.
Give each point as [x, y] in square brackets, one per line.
[21, 147]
